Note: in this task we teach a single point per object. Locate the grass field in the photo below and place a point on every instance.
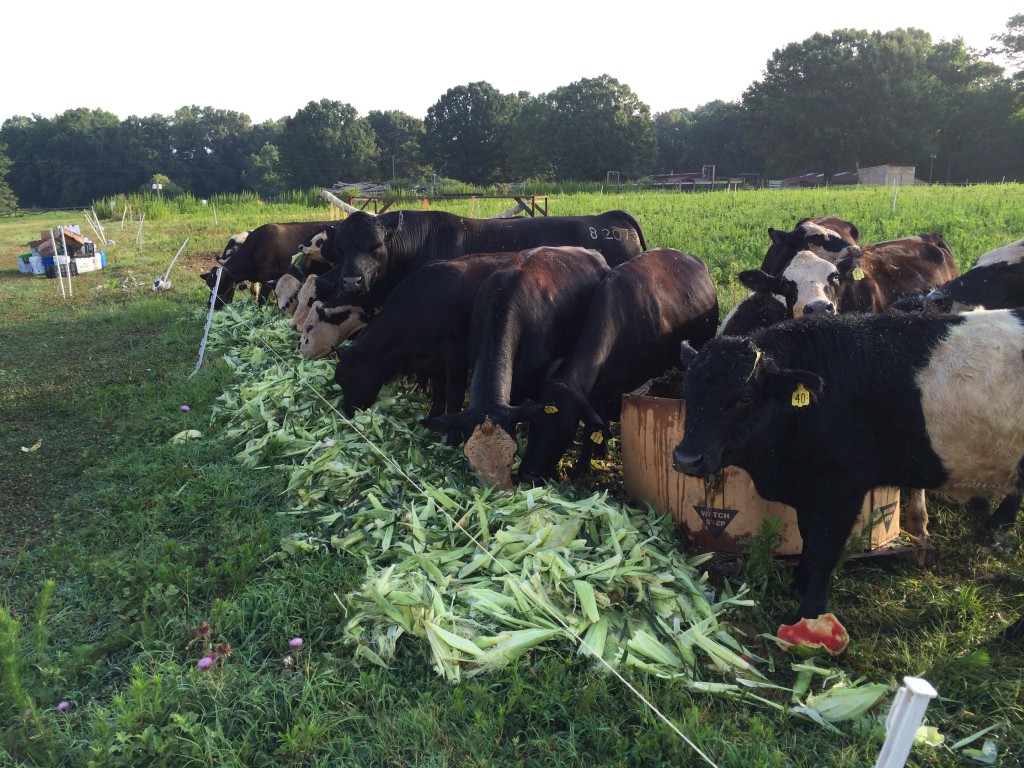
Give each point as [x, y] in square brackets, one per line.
[126, 556]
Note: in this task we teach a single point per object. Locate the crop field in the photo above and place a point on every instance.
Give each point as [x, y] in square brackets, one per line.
[213, 566]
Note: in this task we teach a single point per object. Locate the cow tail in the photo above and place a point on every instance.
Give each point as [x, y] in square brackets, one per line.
[636, 226]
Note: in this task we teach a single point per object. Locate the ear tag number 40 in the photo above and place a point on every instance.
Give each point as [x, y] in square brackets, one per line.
[801, 397]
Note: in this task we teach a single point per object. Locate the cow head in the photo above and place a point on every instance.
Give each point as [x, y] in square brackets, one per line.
[226, 289]
[361, 251]
[234, 243]
[735, 397]
[304, 301]
[998, 285]
[827, 237]
[817, 284]
[360, 386]
[553, 425]
[328, 326]
[319, 247]
[286, 289]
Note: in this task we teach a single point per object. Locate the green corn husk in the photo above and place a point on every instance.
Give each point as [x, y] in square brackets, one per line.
[478, 576]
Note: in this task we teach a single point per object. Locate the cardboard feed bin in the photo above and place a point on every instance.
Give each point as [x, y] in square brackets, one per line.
[718, 520]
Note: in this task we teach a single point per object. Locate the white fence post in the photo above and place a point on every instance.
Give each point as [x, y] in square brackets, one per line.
[903, 721]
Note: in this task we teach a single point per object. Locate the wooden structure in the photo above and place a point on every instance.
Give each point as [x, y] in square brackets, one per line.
[532, 205]
[888, 175]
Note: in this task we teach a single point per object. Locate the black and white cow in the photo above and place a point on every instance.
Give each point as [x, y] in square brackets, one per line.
[996, 281]
[423, 326]
[638, 316]
[818, 411]
[263, 257]
[827, 237]
[524, 319]
[807, 285]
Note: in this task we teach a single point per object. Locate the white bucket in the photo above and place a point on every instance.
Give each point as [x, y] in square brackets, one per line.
[37, 264]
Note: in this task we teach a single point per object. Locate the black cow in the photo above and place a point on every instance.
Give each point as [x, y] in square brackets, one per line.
[819, 411]
[996, 281]
[378, 252]
[525, 318]
[876, 276]
[638, 316]
[262, 258]
[827, 237]
[423, 326]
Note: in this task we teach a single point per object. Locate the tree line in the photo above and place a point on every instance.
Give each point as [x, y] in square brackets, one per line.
[834, 102]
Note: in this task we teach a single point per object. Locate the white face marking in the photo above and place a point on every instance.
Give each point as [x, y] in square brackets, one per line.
[287, 291]
[811, 275]
[313, 246]
[320, 337]
[1010, 254]
[307, 293]
[972, 394]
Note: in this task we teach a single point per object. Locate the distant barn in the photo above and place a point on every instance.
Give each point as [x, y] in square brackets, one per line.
[888, 175]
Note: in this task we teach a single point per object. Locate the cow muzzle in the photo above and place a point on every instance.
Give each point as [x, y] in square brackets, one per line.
[353, 284]
[821, 307]
[691, 463]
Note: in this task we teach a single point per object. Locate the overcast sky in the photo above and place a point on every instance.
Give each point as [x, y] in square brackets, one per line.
[269, 60]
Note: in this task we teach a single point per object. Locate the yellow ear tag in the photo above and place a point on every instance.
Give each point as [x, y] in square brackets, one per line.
[858, 273]
[596, 437]
[801, 397]
[550, 409]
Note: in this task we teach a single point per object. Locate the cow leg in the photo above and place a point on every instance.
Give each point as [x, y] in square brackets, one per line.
[456, 376]
[1005, 514]
[437, 395]
[825, 527]
[917, 513]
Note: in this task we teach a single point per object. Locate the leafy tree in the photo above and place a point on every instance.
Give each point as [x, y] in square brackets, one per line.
[210, 148]
[966, 147]
[8, 200]
[324, 142]
[467, 133]
[1011, 46]
[398, 140]
[596, 125]
[672, 132]
[529, 152]
[712, 134]
[852, 98]
[262, 175]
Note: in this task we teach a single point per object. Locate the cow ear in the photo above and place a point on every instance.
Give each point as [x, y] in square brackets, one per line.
[789, 290]
[795, 388]
[775, 236]
[758, 280]
[686, 355]
[398, 225]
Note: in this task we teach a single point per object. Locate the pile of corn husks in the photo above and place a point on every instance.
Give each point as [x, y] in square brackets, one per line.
[479, 575]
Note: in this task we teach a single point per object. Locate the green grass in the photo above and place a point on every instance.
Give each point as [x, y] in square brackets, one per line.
[117, 546]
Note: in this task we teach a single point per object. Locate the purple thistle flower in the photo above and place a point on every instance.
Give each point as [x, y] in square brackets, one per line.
[185, 409]
[295, 642]
[63, 706]
[206, 662]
